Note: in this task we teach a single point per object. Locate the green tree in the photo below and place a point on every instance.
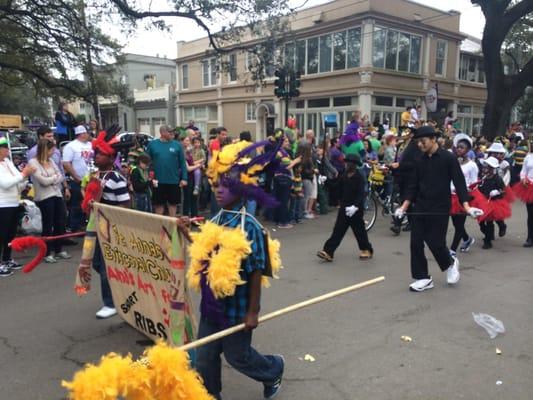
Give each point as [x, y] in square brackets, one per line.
[23, 100]
[54, 46]
[265, 23]
[504, 88]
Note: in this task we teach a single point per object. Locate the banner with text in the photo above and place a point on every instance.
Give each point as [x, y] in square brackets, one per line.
[145, 261]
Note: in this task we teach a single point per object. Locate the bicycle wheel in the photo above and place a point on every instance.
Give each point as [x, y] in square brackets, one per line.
[370, 212]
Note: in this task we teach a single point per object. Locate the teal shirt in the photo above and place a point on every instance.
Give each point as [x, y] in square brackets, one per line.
[357, 148]
[168, 161]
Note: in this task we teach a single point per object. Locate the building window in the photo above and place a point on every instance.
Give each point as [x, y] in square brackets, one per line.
[471, 69]
[300, 61]
[396, 50]
[390, 108]
[440, 66]
[339, 51]
[318, 103]
[143, 125]
[185, 76]
[232, 73]
[209, 72]
[250, 61]
[353, 43]
[312, 56]
[325, 53]
[201, 115]
[342, 101]
[470, 118]
[250, 112]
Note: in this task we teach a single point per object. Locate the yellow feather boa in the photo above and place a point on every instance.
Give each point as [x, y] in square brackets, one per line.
[224, 249]
[163, 373]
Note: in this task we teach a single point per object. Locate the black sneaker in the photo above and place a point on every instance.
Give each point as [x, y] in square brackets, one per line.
[395, 229]
[528, 243]
[271, 390]
[503, 230]
[5, 271]
[13, 265]
[486, 245]
[407, 228]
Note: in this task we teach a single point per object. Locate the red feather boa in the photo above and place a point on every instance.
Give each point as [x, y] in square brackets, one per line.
[26, 242]
[92, 192]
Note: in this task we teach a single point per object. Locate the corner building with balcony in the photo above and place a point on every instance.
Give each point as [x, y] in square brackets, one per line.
[376, 56]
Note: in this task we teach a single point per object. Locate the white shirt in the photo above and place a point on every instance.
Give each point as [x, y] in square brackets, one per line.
[79, 154]
[527, 168]
[505, 172]
[10, 180]
[414, 115]
[471, 173]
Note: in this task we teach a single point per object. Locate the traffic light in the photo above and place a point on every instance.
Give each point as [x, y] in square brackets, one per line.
[294, 84]
[280, 83]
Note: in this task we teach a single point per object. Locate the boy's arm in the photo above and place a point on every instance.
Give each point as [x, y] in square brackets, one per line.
[254, 301]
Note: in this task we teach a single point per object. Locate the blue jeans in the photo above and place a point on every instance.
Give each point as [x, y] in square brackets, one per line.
[296, 208]
[143, 202]
[190, 202]
[75, 213]
[99, 266]
[251, 207]
[239, 354]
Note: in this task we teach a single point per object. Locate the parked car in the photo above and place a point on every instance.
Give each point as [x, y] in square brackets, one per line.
[17, 148]
[26, 137]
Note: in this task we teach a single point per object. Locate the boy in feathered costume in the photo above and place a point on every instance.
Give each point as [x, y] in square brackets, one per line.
[230, 259]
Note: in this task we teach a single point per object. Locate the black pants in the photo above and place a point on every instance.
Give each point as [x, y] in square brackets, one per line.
[487, 228]
[460, 231]
[357, 223]
[432, 231]
[282, 191]
[53, 213]
[8, 229]
[529, 208]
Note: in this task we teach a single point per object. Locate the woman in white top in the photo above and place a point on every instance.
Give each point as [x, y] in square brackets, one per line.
[47, 183]
[524, 191]
[462, 145]
[11, 181]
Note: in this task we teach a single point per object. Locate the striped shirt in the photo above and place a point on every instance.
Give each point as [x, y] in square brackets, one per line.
[115, 189]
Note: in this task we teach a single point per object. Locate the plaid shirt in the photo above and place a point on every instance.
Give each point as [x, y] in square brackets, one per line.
[236, 306]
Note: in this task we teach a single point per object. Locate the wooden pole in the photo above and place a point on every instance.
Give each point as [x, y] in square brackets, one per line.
[283, 311]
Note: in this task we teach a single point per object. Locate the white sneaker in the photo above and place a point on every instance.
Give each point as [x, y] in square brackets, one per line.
[50, 259]
[106, 312]
[421, 285]
[63, 255]
[309, 216]
[452, 273]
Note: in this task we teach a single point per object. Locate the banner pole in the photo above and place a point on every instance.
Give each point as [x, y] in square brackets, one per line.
[279, 313]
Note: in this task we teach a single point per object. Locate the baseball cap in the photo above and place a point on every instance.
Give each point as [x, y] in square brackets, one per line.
[79, 130]
[4, 142]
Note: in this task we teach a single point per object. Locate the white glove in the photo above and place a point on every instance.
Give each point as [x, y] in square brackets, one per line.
[475, 212]
[494, 193]
[350, 211]
[399, 213]
[322, 179]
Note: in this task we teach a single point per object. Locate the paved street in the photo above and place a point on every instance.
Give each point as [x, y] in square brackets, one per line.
[47, 333]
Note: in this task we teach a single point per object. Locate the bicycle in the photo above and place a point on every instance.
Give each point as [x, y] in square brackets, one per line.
[378, 178]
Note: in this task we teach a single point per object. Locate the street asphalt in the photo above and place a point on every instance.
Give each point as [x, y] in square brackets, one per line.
[47, 332]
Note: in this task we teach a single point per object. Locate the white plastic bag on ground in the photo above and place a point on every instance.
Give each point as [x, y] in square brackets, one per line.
[31, 223]
[489, 323]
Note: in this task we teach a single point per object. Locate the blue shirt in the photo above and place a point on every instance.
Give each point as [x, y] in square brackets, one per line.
[168, 161]
[236, 306]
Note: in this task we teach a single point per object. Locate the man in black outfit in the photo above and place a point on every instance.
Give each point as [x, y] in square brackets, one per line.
[429, 192]
[350, 214]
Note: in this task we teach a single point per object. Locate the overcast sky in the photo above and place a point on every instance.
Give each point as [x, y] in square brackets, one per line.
[164, 44]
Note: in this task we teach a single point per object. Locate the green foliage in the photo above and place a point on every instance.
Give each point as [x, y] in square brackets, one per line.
[25, 101]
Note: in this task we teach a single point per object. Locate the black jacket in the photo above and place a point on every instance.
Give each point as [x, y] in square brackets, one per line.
[487, 185]
[353, 190]
[429, 187]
